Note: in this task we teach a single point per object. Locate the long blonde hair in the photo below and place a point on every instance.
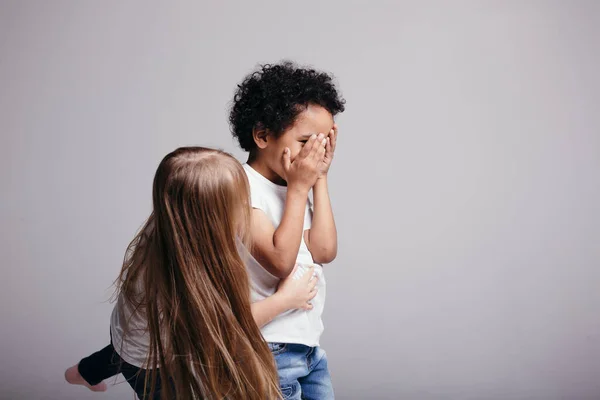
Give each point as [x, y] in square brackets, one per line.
[195, 290]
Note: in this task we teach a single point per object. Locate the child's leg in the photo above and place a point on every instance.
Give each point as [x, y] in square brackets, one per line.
[317, 384]
[100, 366]
[291, 365]
[136, 377]
[92, 370]
[103, 364]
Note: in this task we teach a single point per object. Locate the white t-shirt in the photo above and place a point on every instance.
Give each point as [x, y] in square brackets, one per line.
[295, 326]
[133, 347]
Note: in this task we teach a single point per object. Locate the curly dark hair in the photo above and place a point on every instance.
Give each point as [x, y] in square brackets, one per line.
[272, 97]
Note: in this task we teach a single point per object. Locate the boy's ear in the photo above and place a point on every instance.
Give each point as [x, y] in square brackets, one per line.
[260, 136]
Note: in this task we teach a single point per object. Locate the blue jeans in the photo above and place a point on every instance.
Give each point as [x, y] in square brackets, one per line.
[303, 372]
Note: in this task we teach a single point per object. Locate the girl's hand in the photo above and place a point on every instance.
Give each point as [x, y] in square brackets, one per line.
[297, 293]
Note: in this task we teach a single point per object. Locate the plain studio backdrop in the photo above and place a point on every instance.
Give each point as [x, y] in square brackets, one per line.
[466, 184]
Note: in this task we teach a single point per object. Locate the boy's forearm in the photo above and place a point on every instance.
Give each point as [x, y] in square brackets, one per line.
[264, 311]
[323, 233]
[288, 235]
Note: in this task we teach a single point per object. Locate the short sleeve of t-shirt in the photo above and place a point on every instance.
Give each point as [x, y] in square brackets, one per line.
[259, 195]
[270, 198]
[258, 201]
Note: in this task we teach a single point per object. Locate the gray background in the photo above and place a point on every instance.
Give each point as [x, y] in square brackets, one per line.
[466, 185]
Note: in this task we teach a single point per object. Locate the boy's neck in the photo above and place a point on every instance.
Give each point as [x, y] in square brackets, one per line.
[262, 168]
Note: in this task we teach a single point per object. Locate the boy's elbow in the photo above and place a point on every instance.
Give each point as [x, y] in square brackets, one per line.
[282, 273]
[325, 255]
[282, 268]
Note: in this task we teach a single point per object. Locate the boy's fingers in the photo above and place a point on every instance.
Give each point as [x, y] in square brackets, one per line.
[333, 138]
[286, 160]
[321, 151]
[308, 146]
[317, 145]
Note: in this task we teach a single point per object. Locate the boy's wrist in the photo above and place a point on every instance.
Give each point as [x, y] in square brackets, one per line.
[322, 181]
[298, 189]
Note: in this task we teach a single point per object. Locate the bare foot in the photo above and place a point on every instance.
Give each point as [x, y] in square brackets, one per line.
[73, 376]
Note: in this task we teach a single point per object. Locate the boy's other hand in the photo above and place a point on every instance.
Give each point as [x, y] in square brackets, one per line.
[329, 151]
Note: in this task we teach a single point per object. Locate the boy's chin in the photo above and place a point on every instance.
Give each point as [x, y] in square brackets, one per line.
[278, 173]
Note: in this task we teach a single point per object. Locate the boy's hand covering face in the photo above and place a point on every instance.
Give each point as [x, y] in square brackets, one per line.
[305, 169]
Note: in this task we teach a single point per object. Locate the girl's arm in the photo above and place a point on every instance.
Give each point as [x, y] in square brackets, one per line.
[291, 294]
